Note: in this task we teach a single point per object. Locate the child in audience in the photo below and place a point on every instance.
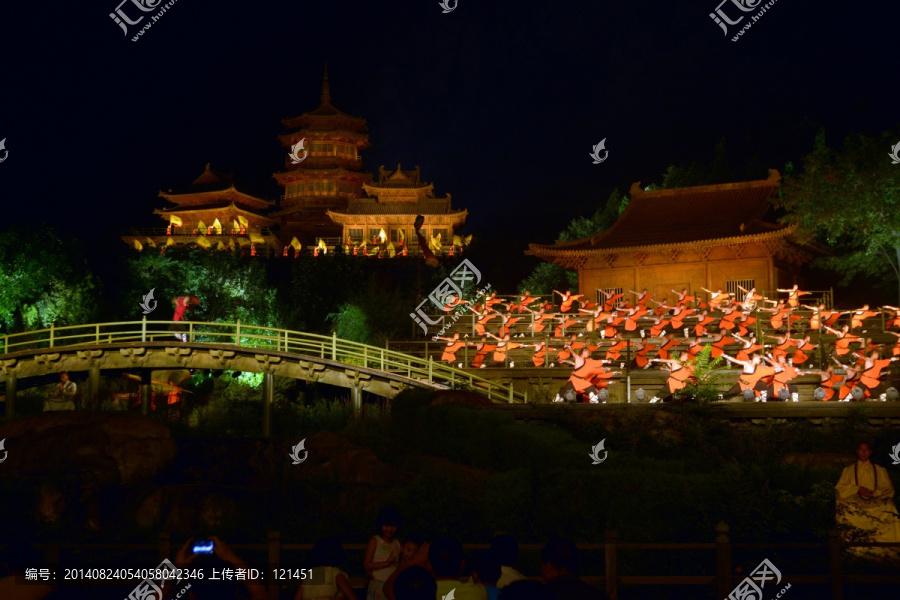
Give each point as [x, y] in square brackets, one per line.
[327, 581]
[486, 571]
[382, 553]
[506, 549]
[414, 553]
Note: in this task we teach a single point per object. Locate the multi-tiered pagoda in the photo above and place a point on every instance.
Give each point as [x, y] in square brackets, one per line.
[212, 212]
[327, 178]
[392, 206]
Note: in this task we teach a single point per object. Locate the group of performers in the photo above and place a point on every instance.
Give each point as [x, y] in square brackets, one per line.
[645, 333]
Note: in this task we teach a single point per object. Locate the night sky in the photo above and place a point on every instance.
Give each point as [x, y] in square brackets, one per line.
[498, 102]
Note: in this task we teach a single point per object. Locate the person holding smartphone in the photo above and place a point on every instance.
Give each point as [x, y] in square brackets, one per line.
[195, 553]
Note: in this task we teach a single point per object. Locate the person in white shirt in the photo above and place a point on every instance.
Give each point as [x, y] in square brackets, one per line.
[506, 549]
[63, 397]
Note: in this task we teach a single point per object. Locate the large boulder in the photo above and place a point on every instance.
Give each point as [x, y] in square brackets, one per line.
[335, 458]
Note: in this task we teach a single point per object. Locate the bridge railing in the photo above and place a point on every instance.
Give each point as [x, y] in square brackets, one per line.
[264, 338]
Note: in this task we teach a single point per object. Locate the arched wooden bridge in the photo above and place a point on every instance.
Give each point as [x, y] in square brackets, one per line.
[234, 346]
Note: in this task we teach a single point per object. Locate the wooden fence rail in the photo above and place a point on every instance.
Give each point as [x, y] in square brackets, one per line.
[723, 581]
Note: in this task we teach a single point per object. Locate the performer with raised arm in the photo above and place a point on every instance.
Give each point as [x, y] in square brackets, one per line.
[642, 298]
[717, 298]
[524, 301]
[539, 357]
[873, 367]
[671, 343]
[845, 339]
[821, 316]
[784, 374]
[859, 316]
[893, 321]
[567, 300]
[454, 344]
[845, 393]
[610, 299]
[704, 320]
[503, 346]
[679, 373]
[755, 376]
[794, 296]
[565, 322]
[537, 324]
[589, 375]
[683, 297]
[750, 347]
[597, 315]
[750, 299]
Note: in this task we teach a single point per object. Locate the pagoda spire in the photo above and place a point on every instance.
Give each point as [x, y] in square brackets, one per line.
[326, 88]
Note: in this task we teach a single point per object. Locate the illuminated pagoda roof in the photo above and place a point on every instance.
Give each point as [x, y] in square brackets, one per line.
[229, 209]
[327, 118]
[400, 193]
[707, 215]
[214, 189]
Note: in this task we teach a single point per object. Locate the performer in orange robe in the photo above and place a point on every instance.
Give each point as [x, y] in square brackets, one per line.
[750, 347]
[800, 356]
[845, 339]
[503, 346]
[754, 375]
[859, 316]
[565, 322]
[615, 351]
[679, 372]
[794, 296]
[873, 366]
[683, 298]
[641, 351]
[540, 354]
[524, 301]
[642, 298]
[453, 346]
[567, 299]
[719, 343]
[667, 347]
[610, 299]
[700, 329]
[631, 319]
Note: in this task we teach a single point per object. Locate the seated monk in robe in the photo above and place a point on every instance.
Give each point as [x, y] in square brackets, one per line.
[864, 501]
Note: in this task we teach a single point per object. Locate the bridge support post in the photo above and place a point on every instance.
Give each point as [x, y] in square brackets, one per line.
[268, 396]
[11, 395]
[146, 392]
[356, 400]
[93, 391]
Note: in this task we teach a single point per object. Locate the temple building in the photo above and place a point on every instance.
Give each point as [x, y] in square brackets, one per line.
[328, 175]
[327, 198]
[392, 206]
[209, 212]
[712, 236]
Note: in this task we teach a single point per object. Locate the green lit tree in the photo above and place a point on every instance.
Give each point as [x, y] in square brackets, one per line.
[850, 200]
[43, 281]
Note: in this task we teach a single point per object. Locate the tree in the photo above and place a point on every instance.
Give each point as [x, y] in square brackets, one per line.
[44, 280]
[850, 200]
[547, 277]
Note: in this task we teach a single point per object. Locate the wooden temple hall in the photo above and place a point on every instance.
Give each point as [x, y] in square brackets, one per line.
[327, 199]
[713, 236]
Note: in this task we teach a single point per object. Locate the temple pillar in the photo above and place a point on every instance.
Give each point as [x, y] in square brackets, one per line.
[93, 391]
[268, 389]
[11, 382]
[146, 392]
[356, 400]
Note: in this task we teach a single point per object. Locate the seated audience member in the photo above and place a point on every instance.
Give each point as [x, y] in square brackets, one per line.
[864, 502]
[506, 549]
[486, 571]
[415, 583]
[526, 589]
[223, 557]
[17, 557]
[446, 559]
[326, 581]
[413, 553]
[559, 568]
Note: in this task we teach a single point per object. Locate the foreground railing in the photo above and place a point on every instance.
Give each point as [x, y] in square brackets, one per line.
[263, 338]
[724, 580]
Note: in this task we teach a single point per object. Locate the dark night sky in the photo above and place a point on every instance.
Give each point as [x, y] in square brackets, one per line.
[498, 102]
